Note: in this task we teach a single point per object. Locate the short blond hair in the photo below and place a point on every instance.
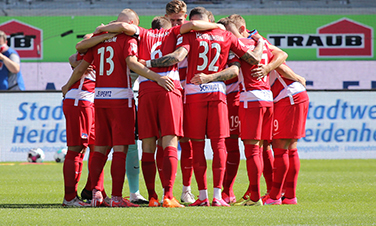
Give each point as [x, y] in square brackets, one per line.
[176, 6]
[127, 15]
[210, 16]
[237, 20]
[201, 12]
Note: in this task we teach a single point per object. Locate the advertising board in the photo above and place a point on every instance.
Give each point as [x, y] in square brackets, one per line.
[340, 125]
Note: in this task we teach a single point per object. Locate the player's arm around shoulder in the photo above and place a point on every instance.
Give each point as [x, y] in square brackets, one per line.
[199, 25]
[117, 27]
[254, 57]
[84, 45]
[76, 75]
[286, 72]
[170, 59]
[140, 69]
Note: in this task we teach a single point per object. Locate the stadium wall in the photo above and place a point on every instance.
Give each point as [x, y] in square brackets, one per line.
[340, 125]
[331, 51]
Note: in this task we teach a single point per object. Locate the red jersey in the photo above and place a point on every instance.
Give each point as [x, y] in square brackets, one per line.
[154, 44]
[208, 53]
[286, 91]
[82, 92]
[113, 84]
[254, 91]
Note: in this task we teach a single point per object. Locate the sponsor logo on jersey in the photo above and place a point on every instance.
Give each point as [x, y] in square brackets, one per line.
[24, 38]
[342, 38]
[103, 94]
[209, 87]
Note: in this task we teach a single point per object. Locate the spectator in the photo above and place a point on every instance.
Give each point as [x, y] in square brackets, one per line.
[10, 73]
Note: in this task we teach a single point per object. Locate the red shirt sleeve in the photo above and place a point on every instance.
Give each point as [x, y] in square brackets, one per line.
[89, 57]
[183, 41]
[237, 46]
[131, 47]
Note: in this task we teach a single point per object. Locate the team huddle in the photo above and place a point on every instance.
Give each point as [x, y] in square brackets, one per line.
[197, 79]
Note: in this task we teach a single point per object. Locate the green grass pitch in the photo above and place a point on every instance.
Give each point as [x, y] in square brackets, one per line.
[330, 192]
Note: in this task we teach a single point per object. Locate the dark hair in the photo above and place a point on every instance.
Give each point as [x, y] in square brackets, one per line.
[201, 11]
[160, 22]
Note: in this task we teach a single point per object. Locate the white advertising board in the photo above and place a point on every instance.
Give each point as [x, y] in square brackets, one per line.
[31, 120]
[339, 125]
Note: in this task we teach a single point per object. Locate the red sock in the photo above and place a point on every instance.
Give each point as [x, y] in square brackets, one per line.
[101, 177]
[170, 166]
[71, 166]
[96, 168]
[186, 162]
[292, 174]
[219, 161]
[281, 164]
[159, 160]
[149, 170]
[232, 165]
[199, 164]
[261, 159]
[268, 160]
[88, 182]
[118, 173]
[80, 165]
[254, 170]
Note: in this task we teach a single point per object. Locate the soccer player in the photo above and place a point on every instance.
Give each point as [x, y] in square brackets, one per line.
[114, 106]
[206, 105]
[255, 102]
[176, 12]
[279, 162]
[132, 160]
[161, 111]
[78, 107]
[291, 104]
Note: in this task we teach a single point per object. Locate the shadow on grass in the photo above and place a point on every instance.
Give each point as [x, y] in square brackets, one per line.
[32, 206]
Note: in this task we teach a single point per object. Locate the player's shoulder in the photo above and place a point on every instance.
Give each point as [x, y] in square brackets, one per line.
[248, 41]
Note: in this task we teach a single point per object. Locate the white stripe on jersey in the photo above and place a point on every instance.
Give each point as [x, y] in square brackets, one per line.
[233, 87]
[289, 90]
[114, 94]
[211, 87]
[77, 94]
[255, 95]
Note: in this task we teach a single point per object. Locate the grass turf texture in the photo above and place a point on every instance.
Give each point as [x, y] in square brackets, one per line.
[340, 192]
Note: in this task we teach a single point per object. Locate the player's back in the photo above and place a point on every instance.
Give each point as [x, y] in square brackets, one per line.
[112, 74]
[247, 81]
[153, 44]
[208, 51]
[283, 87]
